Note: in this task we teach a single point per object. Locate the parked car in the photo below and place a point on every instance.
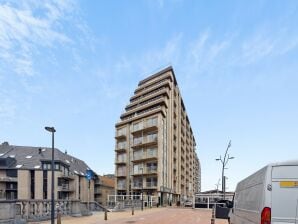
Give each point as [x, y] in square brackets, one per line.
[268, 196]
[188, 203]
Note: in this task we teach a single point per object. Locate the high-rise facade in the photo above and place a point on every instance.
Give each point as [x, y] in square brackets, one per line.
[155, 147]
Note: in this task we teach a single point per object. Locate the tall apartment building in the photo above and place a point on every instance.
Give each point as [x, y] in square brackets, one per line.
[155, 146]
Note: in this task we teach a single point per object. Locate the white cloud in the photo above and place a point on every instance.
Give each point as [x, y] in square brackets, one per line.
[266, 44]
[25, 27]
[204, 52]
[7, 107]
[169, 54]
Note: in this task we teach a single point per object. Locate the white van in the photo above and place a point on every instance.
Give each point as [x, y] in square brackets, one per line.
[269, 196]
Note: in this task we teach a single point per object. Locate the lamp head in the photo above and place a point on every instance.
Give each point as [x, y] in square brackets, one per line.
[50, 129]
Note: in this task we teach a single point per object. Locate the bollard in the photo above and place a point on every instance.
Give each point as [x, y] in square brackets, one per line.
[59, 218]
[132, 210]
[213, 215]
[106, 215]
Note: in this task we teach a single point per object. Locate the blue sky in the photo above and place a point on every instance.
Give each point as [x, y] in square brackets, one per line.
[75, 64]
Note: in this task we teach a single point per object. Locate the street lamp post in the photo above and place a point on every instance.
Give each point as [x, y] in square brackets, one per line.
[224, 162]
[142, 189]
[52, 130]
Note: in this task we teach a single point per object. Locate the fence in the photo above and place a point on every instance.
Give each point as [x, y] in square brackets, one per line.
[128, 201]
[210, 200]
[38, 210]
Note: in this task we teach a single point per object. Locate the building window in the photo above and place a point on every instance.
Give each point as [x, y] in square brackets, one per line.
[32, 184]
[45, 184]
[137, 140]
[151, 152]
[12, 173]
[138, 154]
[121, 132]
[151, 182]
[137, 168]
[121, 145]
[121, 170]
[11, 191]
[137, 182]
[152, 122]
[121, 157]
[79, 188]
[137, 126]
[152, 137]
[121, 184]
[151, 167]
[57, 166]
[48, 166]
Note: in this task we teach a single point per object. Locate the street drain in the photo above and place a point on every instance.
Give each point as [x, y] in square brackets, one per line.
[130, 221]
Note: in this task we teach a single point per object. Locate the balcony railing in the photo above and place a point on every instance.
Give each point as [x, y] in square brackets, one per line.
[67, 176]
[142, 112]
[144, 141]
[120, 160]
[65, 187]
[150, 170]
[8, 179]
[121, 174]
[120, 134]
[151, 184]
[137, 185]
[121, 147]
[148, 125]
[149, 100]
[149, 89]
[144, 156]
[121, 186]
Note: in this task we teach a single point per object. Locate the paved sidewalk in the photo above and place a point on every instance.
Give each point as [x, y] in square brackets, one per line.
[148, 216]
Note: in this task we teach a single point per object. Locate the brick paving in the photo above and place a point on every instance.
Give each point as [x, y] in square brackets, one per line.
[148, 216]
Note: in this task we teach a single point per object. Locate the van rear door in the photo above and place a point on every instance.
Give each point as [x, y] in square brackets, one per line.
[284, 196]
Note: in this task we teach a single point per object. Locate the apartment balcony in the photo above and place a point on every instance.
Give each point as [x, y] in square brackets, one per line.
[144, 142]
[121, 148]
[151, 185]
[150, 87]
[121, 174]
[147, 171]
[65, 188]
[121, 187]
[163, 91]
[8, 179]
[148, 105]
[144, 157]
[67, 177]
[148, 126]
[120, 161]
[120, 135]
[137, 185]
[141, 114]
